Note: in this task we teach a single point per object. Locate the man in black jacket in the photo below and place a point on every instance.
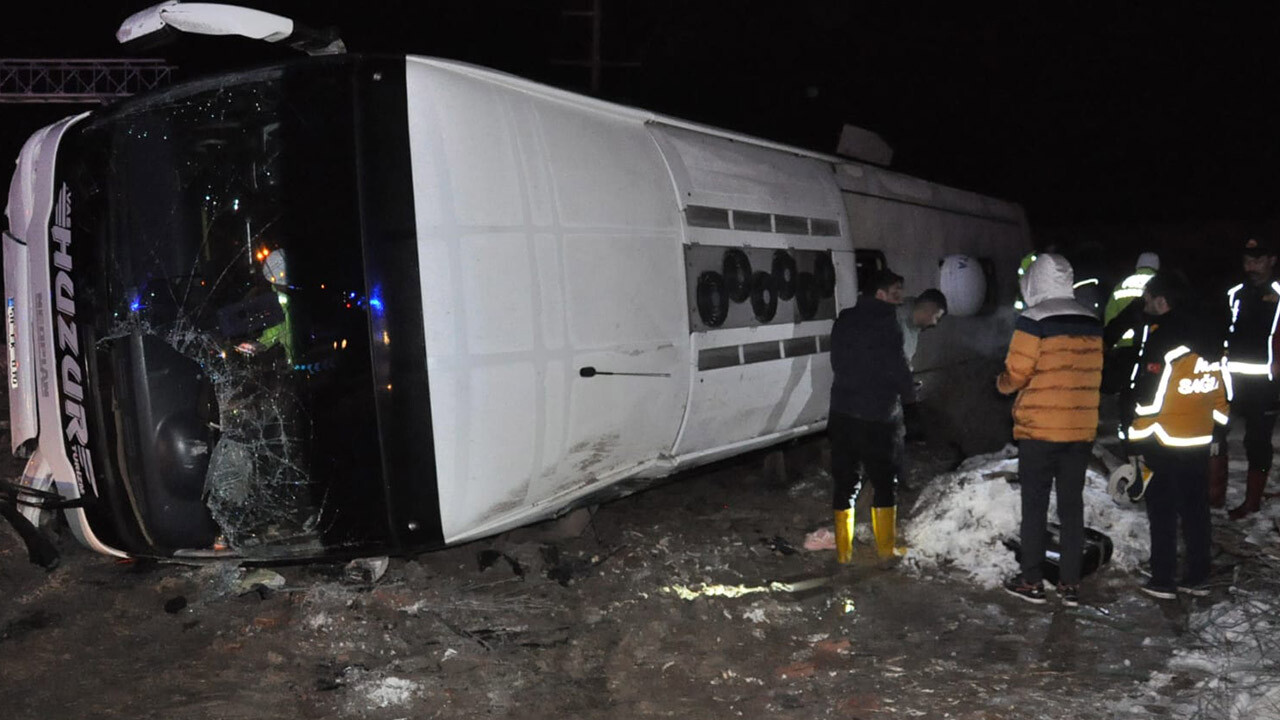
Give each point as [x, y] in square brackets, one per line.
[1252, 363]
[871, 375]
[1179, 395]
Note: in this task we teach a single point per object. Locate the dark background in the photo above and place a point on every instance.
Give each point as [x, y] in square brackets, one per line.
[1127, 127]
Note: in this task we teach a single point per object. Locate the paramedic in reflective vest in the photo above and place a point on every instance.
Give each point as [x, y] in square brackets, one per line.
[1123, 322]
[871, 377]
[1179, 398]
[1251, 362]
[1122, 318]
[1055, 366]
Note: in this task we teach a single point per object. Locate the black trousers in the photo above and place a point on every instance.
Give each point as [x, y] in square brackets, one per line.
[1179, 492]
[1253, 404]
[1041, 466]
[866, 443]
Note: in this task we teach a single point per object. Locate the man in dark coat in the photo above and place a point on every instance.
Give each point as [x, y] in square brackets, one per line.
[871, 376]
[1251, 349]
[1180, 397]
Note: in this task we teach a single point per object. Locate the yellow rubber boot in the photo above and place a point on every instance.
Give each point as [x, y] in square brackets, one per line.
[884, 525]
[844, 536]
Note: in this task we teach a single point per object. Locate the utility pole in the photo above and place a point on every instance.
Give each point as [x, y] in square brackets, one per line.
[594, 61]
[597, 59]
[79, 80]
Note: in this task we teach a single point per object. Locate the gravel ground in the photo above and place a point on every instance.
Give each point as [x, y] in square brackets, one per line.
[547, 623]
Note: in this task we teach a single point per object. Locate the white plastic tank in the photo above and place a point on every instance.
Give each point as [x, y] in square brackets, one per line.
[963, 281]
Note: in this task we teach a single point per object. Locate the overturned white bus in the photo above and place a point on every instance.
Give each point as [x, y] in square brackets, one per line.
[351, 304]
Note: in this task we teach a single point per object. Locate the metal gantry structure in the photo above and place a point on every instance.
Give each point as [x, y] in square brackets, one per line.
[79, 80]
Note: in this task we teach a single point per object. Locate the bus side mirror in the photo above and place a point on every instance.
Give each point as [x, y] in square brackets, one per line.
[158, 21]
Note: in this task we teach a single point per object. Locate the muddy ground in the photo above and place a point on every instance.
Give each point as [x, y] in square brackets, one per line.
[532, 625]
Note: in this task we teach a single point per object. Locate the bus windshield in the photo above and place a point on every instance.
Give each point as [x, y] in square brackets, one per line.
[220, 280]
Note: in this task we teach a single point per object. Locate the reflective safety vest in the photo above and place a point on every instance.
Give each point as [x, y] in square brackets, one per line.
[1181, 406]
[1126, 292]
[1250, 344]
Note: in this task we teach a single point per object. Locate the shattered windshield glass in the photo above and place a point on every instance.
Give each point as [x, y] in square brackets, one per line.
[229, 308]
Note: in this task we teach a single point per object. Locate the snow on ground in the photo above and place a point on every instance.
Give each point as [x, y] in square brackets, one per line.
[370, 690]
[1234, 645]
[390, 691]
[962, 519]
[1259, 528]
[1234, 648]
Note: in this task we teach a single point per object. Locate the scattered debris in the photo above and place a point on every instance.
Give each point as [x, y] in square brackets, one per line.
[779, 544]
[487, 558]
[1010, 476]
[365, 571]
[218, 579]
[318, 621]
[390, 691]
[685, 592]
[443, 637]
[566, 571]
[261, 581]
[820, 539]
[369, 689]
[1097, 551]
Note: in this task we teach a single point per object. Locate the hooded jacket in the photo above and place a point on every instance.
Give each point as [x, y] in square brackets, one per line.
[1055, 359]
[871, 371]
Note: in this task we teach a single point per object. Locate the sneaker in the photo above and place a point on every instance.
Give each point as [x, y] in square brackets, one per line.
[1163, 592]
[1019, 588]
[1194, 589]
[1069, 595]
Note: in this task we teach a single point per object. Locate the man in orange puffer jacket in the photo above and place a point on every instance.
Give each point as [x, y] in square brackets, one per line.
[1055, 366]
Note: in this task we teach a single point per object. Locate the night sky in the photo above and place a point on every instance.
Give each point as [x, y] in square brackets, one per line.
[1137, 115]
